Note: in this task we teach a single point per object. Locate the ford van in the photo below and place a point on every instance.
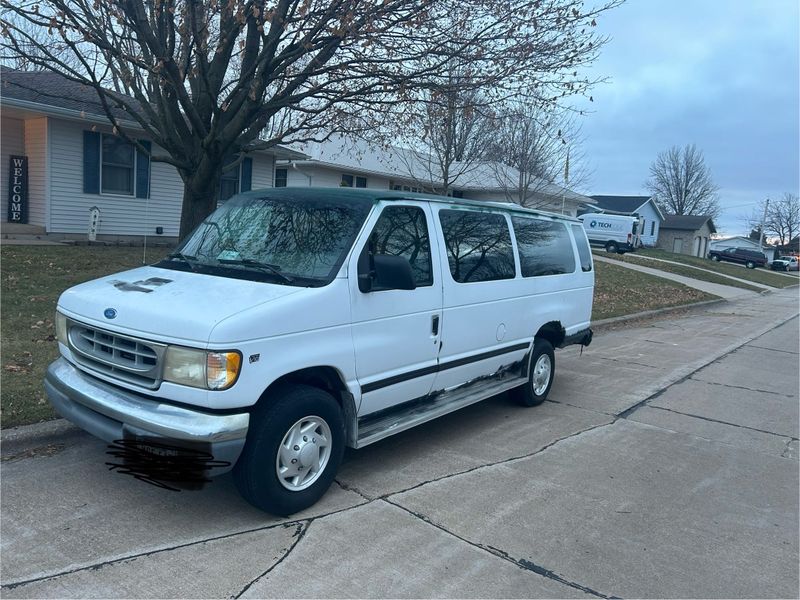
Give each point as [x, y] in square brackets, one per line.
[295, 322]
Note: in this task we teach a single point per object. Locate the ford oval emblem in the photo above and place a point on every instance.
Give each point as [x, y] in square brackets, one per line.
[109, 313]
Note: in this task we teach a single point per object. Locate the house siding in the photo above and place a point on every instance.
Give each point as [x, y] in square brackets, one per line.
[263, 171]
[36, 149]
[12, 142]
[119, 215]
[650, 216]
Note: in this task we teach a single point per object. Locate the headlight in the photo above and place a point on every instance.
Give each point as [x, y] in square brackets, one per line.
[200, 368]
[61, 328]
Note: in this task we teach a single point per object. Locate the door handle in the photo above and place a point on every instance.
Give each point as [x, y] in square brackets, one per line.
[435, 324]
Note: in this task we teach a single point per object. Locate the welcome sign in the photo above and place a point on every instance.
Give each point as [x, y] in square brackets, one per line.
[18, 189]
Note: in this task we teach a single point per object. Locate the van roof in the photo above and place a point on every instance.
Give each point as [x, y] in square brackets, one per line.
[375, 195]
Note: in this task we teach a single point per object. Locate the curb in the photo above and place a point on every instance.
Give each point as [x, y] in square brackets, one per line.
[655, 312]
[17, 439]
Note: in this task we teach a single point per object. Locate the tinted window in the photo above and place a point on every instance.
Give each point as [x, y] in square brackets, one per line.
[478, 245]
[544, 247]
[583, 247]
[403, 231]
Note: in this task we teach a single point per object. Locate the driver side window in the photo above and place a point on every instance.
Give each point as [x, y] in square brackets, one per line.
[403, 231]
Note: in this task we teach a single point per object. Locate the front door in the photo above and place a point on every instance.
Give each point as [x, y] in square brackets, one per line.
[396, 332]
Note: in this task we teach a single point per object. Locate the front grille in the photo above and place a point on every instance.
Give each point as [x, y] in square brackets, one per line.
[119, 356]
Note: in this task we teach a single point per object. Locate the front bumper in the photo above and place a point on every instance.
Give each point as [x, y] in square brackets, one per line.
[113, 414]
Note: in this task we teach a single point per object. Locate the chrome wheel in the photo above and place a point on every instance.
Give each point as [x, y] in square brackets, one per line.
[541, 374]
[303, 453]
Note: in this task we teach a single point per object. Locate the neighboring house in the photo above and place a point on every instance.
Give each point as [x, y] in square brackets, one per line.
[741, 241]
[344, 162]
[75, 163]
[686, 234]
[642, 206]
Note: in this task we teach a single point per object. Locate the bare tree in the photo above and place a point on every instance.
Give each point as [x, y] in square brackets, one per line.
[782, 221]
[535, 142]
[456, 125]
[681, 183]
[207, 78]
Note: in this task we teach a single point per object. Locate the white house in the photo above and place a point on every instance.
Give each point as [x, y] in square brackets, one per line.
[67, 161]
[643, 206]
[344, 162]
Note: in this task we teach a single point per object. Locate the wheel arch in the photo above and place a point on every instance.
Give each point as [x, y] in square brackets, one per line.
[553, 332]
[328, 379]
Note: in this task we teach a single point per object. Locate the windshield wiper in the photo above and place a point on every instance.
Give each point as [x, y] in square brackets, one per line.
[249, 262]
[190, 260]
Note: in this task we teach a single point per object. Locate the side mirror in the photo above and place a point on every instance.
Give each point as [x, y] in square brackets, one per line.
[386, 272]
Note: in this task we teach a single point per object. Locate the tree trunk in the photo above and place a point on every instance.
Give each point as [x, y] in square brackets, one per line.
[199, 198]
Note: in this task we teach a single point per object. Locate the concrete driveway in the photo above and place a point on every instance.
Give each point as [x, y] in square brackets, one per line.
[665, 465]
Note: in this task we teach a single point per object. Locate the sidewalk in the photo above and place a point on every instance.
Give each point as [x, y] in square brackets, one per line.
[723, 291]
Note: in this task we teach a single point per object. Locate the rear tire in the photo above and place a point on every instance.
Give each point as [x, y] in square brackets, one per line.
[750, 264]
[541, 371]
[294, 447]
[612, 248]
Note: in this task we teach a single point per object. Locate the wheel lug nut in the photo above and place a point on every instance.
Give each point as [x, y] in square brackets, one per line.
[294, 460]
[305, 439]
[296, 447]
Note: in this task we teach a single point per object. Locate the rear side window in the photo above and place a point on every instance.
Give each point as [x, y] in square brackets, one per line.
[583, 247]
[403, 231]
[544, 247]
[478, 245]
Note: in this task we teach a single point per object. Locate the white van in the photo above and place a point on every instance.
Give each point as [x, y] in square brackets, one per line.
[615, 233]
[297, 321]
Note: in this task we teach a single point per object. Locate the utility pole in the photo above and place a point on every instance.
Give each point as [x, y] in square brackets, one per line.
[761, 228]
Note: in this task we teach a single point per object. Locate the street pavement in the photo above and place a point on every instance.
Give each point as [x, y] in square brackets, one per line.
[665, 464]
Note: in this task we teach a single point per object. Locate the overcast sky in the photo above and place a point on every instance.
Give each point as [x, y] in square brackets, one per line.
[722, 74]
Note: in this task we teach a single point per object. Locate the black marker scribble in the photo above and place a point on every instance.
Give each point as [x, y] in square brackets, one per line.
[170, 467]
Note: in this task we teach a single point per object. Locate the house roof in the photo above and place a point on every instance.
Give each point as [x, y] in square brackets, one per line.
[55, 95]
[688, 222]
[395, 162]
[739, 237]
[624, 204]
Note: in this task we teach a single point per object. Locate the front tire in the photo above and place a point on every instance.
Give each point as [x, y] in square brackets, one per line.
[541, 371]
[715, 258]
[750, 264]
[294, 447]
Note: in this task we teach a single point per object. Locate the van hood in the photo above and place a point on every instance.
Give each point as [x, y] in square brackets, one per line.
[167, 305]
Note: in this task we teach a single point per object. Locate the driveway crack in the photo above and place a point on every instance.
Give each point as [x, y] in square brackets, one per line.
[299, 534]
[521, 563]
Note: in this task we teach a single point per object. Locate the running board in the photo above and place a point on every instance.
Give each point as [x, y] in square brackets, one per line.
[374, 428]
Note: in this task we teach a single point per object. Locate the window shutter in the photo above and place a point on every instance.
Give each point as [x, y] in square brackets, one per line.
[91, 162]
[143, 171]
[247, 175]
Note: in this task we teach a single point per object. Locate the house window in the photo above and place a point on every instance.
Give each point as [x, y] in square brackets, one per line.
[235, 179]
[458, 194]
[652, 227]
[349, 180]
[113, 166]
[229, 181]
[281, 177]
[118, 165]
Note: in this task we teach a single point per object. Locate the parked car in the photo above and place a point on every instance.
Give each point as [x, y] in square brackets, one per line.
[615, 233]
[750, 258]
[785, 263]
[295, 322]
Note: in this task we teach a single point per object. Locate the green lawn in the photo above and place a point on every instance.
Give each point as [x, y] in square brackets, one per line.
[620, 291]
[761, 275]
[685, 270]
[32, 279]
[34, 276]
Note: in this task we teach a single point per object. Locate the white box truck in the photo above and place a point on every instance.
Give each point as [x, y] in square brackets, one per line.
[615, 233]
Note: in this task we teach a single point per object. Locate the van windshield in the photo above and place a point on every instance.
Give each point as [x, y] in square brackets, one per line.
[285, 240]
